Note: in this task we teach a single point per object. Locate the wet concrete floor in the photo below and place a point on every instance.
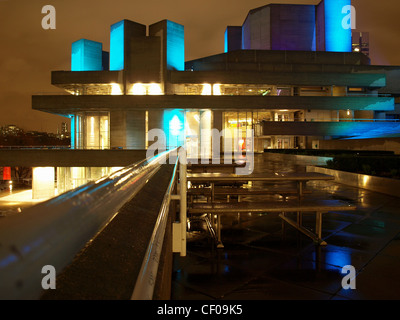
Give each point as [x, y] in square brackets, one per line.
[260, 261]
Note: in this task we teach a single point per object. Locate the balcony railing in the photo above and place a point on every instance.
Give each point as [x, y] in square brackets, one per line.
[54, 231]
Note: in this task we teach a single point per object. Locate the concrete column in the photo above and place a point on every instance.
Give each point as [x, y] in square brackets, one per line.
[205, 134]
[43, 182]
[217, 119]
[117, 129]
[136, 130]
[155, 121]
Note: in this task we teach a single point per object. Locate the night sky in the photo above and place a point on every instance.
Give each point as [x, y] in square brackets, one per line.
[29, 53]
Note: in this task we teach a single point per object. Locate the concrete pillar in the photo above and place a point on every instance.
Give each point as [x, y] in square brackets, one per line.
[155, 120]
[117, 129]
[217, 120]
[136, 130]
[43, 182]
[63, 179]
[205, 134]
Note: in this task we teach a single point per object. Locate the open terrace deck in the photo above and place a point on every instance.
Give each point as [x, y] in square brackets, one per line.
[260, 262]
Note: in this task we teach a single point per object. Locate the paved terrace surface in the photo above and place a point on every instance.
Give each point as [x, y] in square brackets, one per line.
[259, 262]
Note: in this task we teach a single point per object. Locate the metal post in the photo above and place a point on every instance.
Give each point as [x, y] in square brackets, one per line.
[318, 228]
[220, 245]
[183, 197]
[145, 283]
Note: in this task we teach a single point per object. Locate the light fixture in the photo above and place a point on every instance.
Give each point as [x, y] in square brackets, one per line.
[138, 89]
[216, 89]
[115, 89]
[206, 90]
[154, 89]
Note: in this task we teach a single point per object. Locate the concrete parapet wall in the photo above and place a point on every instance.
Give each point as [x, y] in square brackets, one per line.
[381, 144]
[70, 158]
[307, 160]
[69, 104]
[363, 181]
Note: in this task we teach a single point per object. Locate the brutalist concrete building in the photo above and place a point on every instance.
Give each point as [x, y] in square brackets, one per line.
[288, 73]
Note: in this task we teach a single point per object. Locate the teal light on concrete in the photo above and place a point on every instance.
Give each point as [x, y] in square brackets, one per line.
[337, 38]
[174, 127]
[87, 55]
[175, 46]
[117, 47]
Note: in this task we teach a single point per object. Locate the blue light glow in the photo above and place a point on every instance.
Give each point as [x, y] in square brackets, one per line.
[339, 258]
[364, 130]
[86, 55]
[226, 41]
[337, 38]
[175, 46]
[117, 47]
[174, 127]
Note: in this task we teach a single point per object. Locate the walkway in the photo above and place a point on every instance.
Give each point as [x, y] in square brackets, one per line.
[259, 262]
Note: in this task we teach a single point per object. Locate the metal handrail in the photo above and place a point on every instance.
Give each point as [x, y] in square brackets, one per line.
[53, 232]
[145, 283]
[335, 120]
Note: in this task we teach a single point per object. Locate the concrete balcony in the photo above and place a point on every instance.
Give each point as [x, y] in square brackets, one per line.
[65, 79]
[69, 158]
[69, 104]
[353, 130]
[369, 80]
[62, 78]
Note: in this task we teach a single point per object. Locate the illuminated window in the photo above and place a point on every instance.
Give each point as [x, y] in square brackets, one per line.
[43, 179]
[142, 89]
[97, 132]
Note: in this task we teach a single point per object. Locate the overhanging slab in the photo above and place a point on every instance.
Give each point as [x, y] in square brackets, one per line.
[70, 104]
[69, 158]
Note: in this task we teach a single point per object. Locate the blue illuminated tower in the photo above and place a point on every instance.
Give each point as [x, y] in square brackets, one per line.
[86, 55]
[120, 36]
[332, 36]
[233, 38]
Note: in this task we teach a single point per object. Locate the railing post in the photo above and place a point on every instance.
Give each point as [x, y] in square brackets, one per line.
[179, 228]
[183, 194]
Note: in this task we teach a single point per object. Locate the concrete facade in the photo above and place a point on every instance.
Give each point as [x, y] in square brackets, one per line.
[293, 27]
[288, 86]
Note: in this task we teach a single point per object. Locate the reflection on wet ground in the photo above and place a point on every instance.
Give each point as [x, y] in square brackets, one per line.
[14, 201]
[261, 261]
